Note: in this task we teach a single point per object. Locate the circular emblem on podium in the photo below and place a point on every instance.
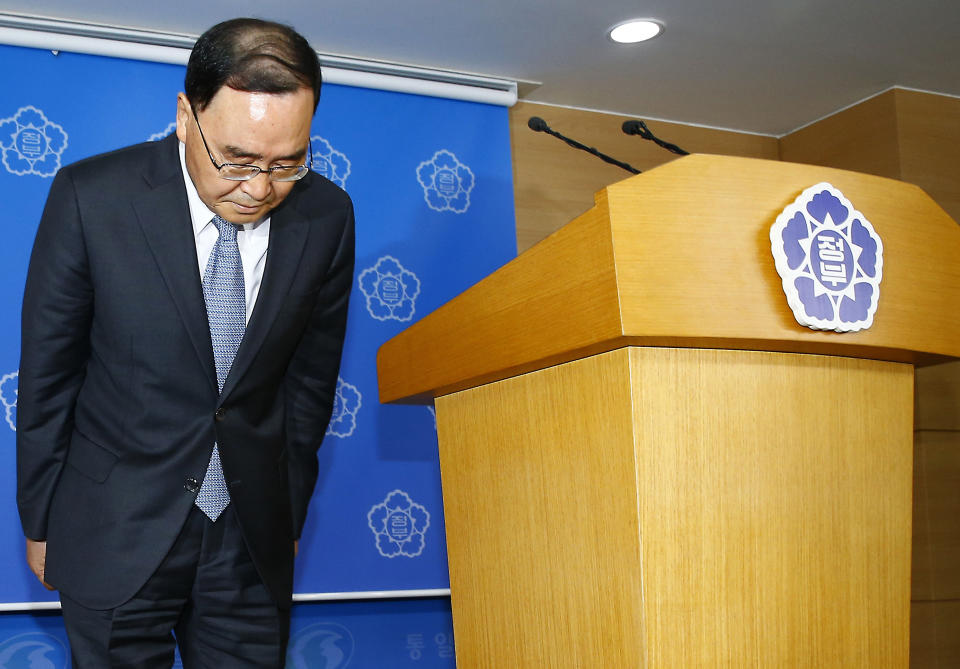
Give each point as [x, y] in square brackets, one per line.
[830, 261]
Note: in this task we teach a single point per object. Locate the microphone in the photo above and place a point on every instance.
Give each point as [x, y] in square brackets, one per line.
[537, 124]
[640, 128]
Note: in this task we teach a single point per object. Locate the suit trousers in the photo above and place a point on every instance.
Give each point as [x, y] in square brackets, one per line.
[206, 597]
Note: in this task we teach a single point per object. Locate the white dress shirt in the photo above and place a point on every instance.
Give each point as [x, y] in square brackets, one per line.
[252, 238]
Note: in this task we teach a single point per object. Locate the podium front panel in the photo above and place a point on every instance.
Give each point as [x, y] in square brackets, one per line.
[663, 508]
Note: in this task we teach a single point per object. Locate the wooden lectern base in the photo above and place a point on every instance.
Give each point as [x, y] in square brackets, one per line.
[666, 508]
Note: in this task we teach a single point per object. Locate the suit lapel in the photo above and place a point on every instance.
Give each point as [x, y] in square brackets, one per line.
[288, 237]
[164, 216]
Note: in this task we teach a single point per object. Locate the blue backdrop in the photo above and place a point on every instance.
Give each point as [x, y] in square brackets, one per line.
[388, 634]
[431, 182]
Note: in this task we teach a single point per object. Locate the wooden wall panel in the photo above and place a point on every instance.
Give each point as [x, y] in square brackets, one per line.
[935, 635]
[553, 183]
[936, 570]
[937, 397]
[929, 145]
[862, 138]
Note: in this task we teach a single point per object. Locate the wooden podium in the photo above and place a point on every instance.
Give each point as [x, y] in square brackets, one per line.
[646, 461]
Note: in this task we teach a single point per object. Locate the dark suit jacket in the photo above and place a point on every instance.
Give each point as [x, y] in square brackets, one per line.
[118, 407]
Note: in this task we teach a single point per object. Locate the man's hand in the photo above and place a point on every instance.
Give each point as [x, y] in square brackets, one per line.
[37, 559]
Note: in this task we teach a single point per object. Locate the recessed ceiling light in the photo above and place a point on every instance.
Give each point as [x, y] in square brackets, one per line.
[637, 30]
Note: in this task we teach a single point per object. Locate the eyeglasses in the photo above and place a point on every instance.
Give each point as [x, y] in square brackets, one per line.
[238, 172]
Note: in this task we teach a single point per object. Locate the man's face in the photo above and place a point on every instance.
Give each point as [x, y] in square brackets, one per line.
[262, 129]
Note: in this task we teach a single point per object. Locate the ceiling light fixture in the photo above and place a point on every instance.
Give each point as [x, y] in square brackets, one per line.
[635, 30]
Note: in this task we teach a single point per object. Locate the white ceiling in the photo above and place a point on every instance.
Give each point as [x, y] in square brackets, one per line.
[762, 66]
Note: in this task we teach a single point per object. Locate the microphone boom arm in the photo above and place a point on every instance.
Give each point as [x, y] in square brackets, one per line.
[537, 124]
[638, 127]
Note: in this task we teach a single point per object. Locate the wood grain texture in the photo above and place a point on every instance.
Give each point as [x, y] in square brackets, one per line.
[929, 147]
[935, 635]
[661, 508]
[928, 132]
[916, 137]
[863, 138]
[553, 183]
[936, 537]
[937, 404]
[921, 567]
[680, 256]
[693, 257]
[541, 516]
[775, 507]
[562, 295]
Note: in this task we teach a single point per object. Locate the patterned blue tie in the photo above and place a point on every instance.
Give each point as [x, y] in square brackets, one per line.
[226, 314]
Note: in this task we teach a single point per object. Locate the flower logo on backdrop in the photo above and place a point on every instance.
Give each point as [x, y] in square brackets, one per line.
[399, 525]
[329, 162]
[33, 650]
[31, 144]
[390, 289]
[446, 182]
[830, 261]
[346, 404]
[157, 136]
[9, 389]
[433, 414]
[320, 646]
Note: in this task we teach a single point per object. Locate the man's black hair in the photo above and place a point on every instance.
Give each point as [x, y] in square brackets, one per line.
[250, 55]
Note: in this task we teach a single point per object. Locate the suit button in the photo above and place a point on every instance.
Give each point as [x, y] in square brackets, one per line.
[220, 414]
[191, 485]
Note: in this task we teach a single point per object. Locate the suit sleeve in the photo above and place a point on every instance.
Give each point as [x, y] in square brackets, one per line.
[55, 327]
[311, 378]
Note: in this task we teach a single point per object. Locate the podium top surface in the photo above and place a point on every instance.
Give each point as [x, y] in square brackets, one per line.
[680, 256]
